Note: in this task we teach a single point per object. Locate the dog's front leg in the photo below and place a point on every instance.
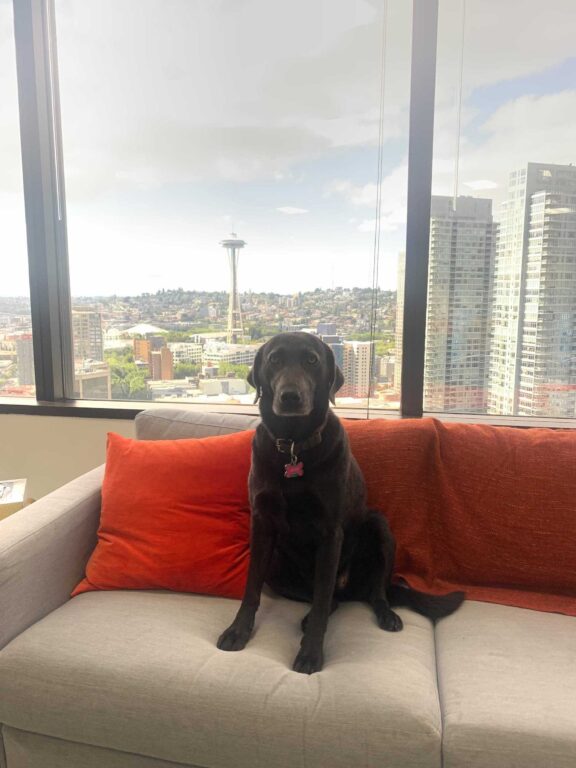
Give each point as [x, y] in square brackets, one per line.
[262, 540]
[310, 658]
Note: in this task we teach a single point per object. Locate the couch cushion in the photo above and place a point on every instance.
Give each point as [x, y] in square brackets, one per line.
[177, 423]
[31, 750]
[140, 672]
[507, 680]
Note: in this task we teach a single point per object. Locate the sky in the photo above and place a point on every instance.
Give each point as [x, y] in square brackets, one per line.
[191, 119]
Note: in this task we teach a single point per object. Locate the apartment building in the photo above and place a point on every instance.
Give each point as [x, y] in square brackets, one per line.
[87, 334]
[162, 365]
[357, 367]
[532, 368]
[461, 256]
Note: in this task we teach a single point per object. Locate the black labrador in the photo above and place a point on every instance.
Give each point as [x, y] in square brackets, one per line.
[312, 537]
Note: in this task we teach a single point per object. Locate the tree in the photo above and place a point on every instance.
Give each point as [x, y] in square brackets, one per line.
[239, 371]
[181, 370]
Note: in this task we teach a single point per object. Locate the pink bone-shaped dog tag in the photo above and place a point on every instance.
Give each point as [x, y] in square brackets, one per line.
[294, 470]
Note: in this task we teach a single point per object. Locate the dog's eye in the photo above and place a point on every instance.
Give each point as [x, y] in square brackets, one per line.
[274, 358]
[312, 359]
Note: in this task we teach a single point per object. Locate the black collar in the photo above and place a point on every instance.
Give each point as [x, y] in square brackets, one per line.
[287, 445]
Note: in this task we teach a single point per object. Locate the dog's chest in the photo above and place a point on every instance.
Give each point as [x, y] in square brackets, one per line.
[305, 515]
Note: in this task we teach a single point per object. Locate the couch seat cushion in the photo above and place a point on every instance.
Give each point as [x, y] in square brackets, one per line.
[139, 672]
[507, 680]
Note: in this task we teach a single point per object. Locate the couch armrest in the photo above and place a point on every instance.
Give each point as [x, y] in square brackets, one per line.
[44, 549]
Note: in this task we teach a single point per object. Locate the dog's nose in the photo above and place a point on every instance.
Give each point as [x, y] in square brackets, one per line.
[290, 397]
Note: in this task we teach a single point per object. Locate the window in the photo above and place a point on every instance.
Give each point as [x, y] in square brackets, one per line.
[200, 176]
[16, 356]
[504, 180]
[229, 168]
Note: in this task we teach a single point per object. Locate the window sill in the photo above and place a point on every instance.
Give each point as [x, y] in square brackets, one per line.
[121, 409]
[124, 409]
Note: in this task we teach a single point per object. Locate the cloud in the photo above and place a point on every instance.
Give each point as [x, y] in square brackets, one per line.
[358, 195]
[393, 199]
[479, 184]
[290, 211]
[367, 225]
[543, 35]
[162, 104]
[387, 224]
[525, 129]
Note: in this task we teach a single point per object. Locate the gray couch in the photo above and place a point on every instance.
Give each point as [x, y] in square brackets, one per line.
[134, 679]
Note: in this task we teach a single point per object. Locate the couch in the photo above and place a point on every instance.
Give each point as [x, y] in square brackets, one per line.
[132, 679]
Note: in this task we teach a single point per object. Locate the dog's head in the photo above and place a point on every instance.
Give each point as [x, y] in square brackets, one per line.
[294, 373]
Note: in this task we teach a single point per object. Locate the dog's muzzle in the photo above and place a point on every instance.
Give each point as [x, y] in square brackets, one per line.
[291, 401]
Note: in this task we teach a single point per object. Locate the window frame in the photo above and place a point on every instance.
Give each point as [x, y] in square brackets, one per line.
[44, 198]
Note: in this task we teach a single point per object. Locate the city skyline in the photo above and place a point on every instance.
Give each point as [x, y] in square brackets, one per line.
[116, 334]
[501, 317]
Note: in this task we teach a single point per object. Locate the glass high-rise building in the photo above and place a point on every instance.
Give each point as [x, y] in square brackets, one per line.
[533, 350]
[461, 257]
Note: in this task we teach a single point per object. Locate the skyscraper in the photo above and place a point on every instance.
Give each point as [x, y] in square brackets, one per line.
[461, 255]
[533, 354]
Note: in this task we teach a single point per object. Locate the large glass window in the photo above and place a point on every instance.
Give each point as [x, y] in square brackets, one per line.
[501, 323]
[16, 358]
[232, 170]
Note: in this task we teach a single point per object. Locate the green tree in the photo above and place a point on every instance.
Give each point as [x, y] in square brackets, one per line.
[137, 386]
[239, 371]
[181, 370]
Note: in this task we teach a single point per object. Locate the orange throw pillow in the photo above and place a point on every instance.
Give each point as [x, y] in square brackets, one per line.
[175, 515]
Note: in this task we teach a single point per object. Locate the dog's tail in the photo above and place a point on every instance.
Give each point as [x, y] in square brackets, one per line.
[432, 606]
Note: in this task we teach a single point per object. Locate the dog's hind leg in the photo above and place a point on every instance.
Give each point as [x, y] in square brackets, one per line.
[371, 569]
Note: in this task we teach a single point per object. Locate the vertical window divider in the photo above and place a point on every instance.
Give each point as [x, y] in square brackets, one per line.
[420, 146]
[44, 198]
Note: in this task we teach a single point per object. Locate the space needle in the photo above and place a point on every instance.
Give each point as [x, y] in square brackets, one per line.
[235, 329]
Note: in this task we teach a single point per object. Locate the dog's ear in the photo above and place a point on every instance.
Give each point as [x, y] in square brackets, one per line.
[335, 376]
[336, 384]
[253, 377]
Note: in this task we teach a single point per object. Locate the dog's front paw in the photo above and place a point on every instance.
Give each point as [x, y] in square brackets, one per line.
[308, 662]
[233, 639]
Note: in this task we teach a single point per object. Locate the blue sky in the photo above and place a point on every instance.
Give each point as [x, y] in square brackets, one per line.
[485, 100]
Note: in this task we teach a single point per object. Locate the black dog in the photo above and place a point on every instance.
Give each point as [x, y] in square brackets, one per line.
[313, 538]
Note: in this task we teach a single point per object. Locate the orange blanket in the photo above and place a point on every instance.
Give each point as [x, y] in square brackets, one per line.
[491, 510]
